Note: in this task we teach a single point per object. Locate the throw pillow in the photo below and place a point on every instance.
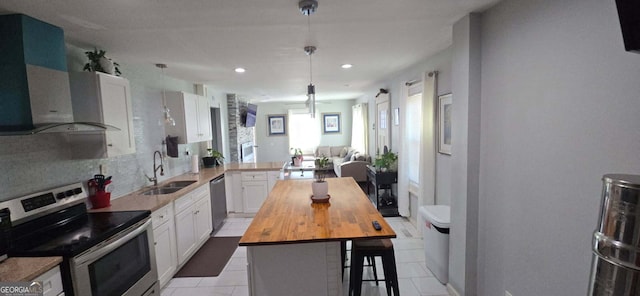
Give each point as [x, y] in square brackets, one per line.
[344, 152]
[355, 156]
[347, 157]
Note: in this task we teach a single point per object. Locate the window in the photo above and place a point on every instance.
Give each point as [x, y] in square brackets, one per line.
[413, 124]
[304, 131]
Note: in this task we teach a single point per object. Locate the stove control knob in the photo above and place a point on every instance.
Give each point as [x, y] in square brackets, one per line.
[60, 195]
[77, 190]
[68, 193]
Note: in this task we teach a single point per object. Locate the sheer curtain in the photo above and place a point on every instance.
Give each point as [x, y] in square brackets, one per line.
[359, 128]
[304, 131]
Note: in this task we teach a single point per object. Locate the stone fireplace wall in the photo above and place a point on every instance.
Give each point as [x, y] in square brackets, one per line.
[238, 134]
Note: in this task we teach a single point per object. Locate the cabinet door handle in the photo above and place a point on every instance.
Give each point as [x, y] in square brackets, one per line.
[161, 217]
[110, 145]
[155, 243]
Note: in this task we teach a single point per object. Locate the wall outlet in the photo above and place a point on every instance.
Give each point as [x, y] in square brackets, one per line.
[507, 293]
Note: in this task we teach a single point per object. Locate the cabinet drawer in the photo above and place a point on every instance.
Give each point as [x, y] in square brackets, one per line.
[183, 203]
[51, 282]
[164, 214]
[254, 176]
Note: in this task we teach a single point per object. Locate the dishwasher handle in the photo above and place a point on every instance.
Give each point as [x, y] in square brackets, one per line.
[218, 180]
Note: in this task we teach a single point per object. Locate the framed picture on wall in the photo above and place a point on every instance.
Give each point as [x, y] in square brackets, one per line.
[331, 123]
[276, 125]
[444, 124]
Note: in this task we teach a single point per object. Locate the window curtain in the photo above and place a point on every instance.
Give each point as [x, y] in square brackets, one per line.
[359, 132]
[427, 153]
[428, 140]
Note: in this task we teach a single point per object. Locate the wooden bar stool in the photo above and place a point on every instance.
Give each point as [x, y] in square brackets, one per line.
[373, 247]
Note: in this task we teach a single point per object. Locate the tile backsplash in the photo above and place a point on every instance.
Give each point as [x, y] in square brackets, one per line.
[38, 162]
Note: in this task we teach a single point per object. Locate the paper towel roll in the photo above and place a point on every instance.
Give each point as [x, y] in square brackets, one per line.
[195, 168]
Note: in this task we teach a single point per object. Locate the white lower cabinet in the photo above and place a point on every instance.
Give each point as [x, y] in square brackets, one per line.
[51, 282]
[255, 187]
[164, 235]
[185, 235]
[193, 222]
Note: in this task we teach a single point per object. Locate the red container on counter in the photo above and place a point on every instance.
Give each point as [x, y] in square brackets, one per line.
[101, 199]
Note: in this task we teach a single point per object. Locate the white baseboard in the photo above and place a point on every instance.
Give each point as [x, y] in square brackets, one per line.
[452, 291]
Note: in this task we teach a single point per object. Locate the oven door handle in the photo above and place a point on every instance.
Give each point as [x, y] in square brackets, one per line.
[100, 250]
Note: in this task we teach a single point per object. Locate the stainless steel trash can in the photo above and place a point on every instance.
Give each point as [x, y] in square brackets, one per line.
[615, 267]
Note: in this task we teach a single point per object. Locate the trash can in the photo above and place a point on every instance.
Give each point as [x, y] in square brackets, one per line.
[615, 265]
[435, 234]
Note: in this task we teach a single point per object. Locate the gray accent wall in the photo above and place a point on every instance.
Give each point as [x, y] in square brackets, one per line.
[560, 108]
[465, 154]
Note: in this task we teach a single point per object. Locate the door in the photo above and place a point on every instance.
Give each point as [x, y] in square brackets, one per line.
[383, 123]
[204, 119]
[202, 216]
[165, 244]
[185, 234]
[191, 117]
[253, 193]
[116, 110]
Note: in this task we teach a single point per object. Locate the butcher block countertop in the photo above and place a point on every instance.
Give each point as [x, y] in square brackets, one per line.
[288, 215]
[19, 269]
[135, 201]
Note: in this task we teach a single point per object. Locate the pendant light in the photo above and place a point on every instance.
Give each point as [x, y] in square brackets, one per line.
[168, 120]
[311, 89]
[308, 7]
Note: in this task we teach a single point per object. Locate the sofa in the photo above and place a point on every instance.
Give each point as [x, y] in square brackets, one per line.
[346, 161]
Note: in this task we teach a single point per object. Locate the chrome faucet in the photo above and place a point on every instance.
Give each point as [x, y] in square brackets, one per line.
[155, 168]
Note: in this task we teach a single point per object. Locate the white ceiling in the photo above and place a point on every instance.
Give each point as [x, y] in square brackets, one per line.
[205, 40]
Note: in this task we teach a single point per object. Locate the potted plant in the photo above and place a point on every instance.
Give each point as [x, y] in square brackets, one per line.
[297, 156]
[98, 62]
[386, 162]
[213, 158]
[319, 187]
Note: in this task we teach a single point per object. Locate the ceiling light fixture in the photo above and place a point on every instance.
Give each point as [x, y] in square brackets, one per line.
[346, 66]
[308, 7]
[240, 70]
[167, 116]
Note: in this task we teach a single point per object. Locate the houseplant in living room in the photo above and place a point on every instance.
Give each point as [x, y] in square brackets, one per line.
[297, 156]
[386, 162]
[213, 158]
[320, 187]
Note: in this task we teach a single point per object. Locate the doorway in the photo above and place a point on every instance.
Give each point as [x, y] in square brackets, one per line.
[216, 130]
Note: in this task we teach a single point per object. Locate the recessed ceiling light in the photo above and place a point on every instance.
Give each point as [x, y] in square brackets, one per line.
[346, 66]
[240, 70]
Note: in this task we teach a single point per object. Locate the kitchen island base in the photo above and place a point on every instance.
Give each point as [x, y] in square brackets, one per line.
[310, 269]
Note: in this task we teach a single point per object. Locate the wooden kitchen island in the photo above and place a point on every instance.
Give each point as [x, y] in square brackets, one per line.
[293, 245]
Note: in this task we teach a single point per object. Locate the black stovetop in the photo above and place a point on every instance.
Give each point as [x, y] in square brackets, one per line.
[69, 232]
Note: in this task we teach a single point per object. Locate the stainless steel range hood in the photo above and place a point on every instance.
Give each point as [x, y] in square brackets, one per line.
[35, 95]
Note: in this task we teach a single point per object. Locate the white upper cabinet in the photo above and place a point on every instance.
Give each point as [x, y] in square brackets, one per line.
[103, 98]
[192, 115]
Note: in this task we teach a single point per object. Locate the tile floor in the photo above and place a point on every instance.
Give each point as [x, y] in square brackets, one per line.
[414, 277]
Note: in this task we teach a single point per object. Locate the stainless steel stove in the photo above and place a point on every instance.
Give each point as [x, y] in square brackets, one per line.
[106, 253]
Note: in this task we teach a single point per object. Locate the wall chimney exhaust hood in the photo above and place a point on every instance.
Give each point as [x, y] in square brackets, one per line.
[35, 95]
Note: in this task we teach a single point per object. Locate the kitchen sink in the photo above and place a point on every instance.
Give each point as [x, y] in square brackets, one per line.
[178, 184]
[161, 190]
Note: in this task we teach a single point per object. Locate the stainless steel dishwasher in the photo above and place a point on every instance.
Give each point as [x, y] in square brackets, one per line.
[218, 202]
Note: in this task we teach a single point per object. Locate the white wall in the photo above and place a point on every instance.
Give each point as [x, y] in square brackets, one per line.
[560, 106]
[276, 148]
